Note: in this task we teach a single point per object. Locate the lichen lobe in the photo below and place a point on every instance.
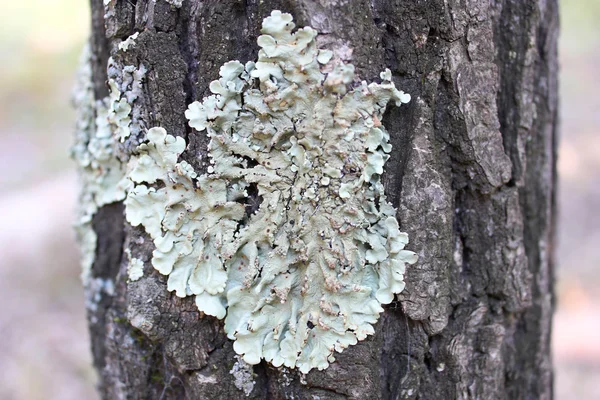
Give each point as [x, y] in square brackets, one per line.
[306, 272]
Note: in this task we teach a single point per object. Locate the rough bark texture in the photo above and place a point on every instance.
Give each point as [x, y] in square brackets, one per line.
[472, 174]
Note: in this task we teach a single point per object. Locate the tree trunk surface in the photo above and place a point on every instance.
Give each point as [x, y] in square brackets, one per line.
[472, 174]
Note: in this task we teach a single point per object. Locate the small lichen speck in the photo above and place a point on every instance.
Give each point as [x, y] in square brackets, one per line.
[243, 376]
[97, 288]
[175, 3]
[135, 267]
[288, 235]
[130, 41]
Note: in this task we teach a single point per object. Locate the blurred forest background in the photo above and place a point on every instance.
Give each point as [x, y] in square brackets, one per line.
[44, 351]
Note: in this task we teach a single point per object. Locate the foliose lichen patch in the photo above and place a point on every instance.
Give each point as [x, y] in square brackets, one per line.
[289, 236]
[189, 218]
[99, 126]
[102, 175]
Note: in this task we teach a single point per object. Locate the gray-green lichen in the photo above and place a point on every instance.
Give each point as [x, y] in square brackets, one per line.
[102, 175]
[125, 86]
[99, 126]
[186, 218]
[289, 235]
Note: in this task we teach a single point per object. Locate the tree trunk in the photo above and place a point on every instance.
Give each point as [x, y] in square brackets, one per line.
[472, 174]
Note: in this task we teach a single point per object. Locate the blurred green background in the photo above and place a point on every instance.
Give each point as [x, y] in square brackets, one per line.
[44, 351]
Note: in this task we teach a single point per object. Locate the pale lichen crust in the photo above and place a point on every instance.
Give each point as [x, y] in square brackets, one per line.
[289, 235]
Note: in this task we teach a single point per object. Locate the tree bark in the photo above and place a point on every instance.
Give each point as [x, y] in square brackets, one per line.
[472, 174]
